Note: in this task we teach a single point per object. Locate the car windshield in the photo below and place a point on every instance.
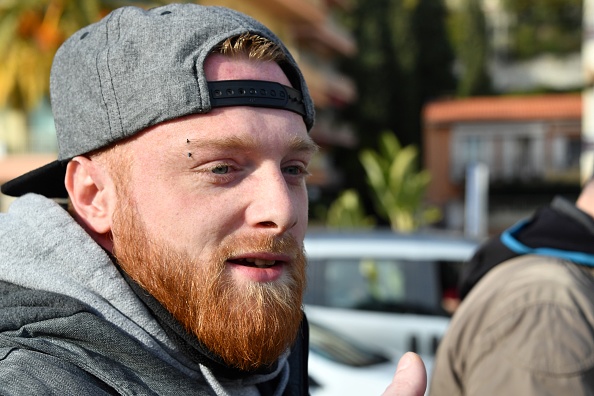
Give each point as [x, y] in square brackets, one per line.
[337, 348]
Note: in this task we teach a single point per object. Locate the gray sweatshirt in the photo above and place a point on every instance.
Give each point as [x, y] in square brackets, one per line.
[71, 324]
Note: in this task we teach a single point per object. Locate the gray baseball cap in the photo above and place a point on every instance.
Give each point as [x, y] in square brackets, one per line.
[137, 68]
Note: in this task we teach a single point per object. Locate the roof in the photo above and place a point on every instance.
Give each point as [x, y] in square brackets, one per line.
[320, 244]
[558, 106]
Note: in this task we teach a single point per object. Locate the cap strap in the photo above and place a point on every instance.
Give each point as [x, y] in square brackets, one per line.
[255, 93]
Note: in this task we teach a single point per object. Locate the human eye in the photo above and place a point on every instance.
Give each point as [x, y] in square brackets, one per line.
[219, 173]
[220, 169]
[296, 170]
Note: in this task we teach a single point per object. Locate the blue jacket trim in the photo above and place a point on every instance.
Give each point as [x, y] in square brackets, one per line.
[508, 239]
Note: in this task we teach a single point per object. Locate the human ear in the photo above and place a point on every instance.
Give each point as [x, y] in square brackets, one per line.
[91, 193]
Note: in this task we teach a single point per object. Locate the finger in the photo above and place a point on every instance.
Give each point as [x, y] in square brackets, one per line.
[410, 378]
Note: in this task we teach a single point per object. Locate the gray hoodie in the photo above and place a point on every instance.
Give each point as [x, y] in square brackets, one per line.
[71, 324]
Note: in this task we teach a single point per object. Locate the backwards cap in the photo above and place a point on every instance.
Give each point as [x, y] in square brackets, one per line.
[137, 68]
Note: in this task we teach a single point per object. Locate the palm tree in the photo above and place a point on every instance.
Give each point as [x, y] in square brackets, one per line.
[398, 186]
[30, 33]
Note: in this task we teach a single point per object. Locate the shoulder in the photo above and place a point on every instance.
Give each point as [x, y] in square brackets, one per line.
[534, 312]
[30, 344]
[26, 372]
[530, 279]
[527, 327]
[20, 306]
[50, 341]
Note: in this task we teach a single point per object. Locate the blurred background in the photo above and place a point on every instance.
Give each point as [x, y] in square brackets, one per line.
[440, 122]
[462, 115]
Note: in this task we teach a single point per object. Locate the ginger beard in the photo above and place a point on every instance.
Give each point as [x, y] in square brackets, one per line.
[247, 325]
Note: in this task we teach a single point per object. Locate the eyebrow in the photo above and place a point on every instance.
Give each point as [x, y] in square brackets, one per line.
[230, 143]
[301, 144]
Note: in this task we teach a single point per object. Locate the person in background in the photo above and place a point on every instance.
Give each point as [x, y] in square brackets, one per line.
[178, 267]
[526, 322]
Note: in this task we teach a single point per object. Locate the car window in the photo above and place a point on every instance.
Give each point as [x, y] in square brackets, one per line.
[377, 284]
[360, 283]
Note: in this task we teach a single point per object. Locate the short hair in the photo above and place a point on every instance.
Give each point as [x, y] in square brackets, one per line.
[252, 45]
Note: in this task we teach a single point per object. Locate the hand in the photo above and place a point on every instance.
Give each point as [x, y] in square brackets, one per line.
[410, 378]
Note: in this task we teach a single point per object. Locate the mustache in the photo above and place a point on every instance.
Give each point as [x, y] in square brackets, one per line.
[279, 244]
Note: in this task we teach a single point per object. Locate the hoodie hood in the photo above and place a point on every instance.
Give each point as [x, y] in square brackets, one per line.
[560, 230]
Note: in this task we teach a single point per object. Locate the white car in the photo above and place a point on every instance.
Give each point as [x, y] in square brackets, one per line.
[340, 367]
[385, 290]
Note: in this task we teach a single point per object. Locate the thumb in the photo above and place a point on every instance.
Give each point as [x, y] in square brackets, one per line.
[410, 378]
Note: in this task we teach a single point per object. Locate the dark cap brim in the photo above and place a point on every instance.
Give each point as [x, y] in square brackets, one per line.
[47, 180]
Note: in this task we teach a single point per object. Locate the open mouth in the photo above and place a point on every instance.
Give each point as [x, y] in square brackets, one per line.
[257, 263]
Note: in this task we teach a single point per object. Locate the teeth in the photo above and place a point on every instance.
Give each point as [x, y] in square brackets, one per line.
[261, 263]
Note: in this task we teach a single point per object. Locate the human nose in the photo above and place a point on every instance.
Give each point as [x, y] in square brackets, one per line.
[273, 203]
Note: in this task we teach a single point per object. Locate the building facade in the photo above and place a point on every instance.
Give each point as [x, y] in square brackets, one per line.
[530, 145]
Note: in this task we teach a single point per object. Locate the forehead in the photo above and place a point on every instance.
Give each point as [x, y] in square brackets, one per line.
[219, 67]
[250, 127]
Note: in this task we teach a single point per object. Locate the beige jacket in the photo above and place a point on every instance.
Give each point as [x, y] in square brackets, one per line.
[527, 328]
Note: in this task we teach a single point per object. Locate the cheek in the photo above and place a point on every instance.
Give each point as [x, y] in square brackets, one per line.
[302, 207]
[188, 221]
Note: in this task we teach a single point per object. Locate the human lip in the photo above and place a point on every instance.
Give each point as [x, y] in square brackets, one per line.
[260, 260]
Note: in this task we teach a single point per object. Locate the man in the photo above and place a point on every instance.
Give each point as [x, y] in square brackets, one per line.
[526, 323]
[179, 265]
